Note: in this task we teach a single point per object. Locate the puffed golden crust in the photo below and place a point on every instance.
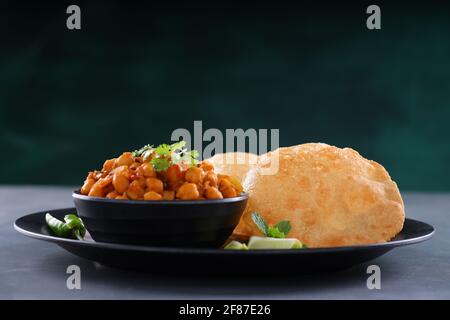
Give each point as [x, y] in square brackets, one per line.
[235, 164]
[331, 196]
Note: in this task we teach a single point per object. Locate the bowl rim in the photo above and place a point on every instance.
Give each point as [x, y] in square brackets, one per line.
[77, 195]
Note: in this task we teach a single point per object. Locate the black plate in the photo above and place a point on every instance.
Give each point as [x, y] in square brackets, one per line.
[219, 261]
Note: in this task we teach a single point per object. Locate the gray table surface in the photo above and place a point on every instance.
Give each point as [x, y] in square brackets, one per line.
[31, 269]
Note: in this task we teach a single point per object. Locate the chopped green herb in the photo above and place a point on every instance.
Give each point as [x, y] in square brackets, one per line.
[163, 150]
[280, 230]
[274, 232]
[284, 226]
[165, 155]
[160, 164]
[274, 237]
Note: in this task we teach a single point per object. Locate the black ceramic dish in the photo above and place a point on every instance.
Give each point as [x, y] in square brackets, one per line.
[200, 223]
[219, 261]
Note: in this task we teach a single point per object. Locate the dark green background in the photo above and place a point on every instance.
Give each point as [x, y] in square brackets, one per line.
[136, 71]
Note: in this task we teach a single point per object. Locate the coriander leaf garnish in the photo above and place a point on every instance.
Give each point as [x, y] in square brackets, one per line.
[280, 230]
[165, 155]
[284, 226]
[160, 164]
[260, 223]
[274, 232]
[163, 149]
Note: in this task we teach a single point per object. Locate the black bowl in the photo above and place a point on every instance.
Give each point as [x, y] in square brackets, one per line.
[196, 223]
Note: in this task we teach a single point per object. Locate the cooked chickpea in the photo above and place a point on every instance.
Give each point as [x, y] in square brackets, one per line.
[109, 165]
[228, 192]
[135, 191]
[130, 177]
[147, 170]
[154, 184]
[109, 188]
[168, 195]
[112, 195]
[210, 179]
[88, 183]
[174, 176]
[213, 193]
[188, 191]
[200, 189]
[207, 166]
[152, 195]
[125, 159]
[104, 182]
[224, 182]
[122, 197]
[120, 182]
[134, 165]
[96, 191]
[98, 175]
[142, 182]
[121, 169]
[194, 175]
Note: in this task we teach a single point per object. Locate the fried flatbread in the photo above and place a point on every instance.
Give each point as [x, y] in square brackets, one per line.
[331, 196]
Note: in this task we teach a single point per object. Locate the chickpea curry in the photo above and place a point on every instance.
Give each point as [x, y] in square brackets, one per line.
[167, 172]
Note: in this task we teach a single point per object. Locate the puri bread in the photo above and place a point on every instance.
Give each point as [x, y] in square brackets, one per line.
[235, 164]
[331, 196]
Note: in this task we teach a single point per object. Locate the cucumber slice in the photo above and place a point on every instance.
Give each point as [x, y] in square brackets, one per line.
[236, 245]
[273, 243]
